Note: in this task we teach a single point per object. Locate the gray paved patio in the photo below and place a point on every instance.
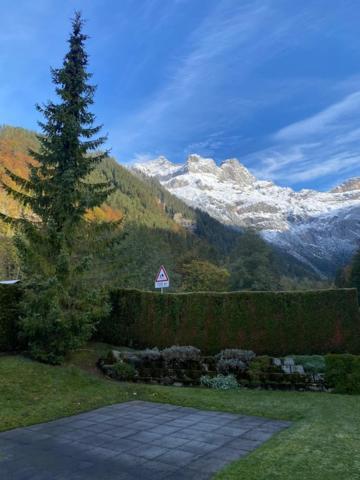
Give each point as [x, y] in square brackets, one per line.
[132, 441]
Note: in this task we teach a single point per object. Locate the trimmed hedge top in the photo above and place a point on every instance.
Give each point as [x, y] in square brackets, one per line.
[273, 323]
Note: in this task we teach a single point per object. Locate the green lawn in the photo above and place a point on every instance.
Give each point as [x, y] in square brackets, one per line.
[323, 443]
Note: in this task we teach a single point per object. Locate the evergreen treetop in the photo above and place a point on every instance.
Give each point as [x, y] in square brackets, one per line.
[57, 190]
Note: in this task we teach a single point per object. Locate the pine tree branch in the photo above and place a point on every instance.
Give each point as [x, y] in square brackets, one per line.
[24, 199]
[19, 181]
[18, 223]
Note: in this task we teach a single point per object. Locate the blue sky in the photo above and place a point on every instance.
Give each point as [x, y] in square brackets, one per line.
[275, 83]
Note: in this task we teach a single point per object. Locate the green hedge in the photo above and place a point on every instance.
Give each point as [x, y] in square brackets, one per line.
[273, 323]
[9, 301]
[342, 373]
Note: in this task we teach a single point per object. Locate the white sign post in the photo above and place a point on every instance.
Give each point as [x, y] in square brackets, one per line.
[162, 279]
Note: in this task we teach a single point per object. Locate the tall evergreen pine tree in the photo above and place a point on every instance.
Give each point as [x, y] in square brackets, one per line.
[57, 312]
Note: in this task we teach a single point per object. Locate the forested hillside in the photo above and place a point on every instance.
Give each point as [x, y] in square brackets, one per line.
[147, 226]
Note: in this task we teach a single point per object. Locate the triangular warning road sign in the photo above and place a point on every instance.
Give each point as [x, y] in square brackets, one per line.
[162, 276]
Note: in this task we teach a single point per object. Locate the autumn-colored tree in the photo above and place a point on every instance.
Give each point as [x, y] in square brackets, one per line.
[201, 276]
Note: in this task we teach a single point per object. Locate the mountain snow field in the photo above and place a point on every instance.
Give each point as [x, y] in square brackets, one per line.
[321, 229]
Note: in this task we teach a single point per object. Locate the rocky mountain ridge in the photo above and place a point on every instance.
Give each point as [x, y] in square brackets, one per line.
[322, 229]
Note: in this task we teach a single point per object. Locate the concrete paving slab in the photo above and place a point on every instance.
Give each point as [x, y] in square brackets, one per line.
[132, 441]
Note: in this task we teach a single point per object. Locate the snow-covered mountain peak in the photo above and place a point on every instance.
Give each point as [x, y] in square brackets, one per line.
[320, 228]
[197, 164]
[233, 170]
[348, 186]
[160, 167]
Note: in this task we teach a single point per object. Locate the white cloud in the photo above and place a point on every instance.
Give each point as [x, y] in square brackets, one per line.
[323, 121]
[303, 163]
[196, 91]
[323, 146]
[339, 164]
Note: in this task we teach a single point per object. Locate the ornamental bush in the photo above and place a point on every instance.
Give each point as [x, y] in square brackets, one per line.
[142, 357]
[150, 355]
[181, 354]
[260, 368]
[124, 371]
[244, 355]
[230, 365]
[342, 373]
[311, 363]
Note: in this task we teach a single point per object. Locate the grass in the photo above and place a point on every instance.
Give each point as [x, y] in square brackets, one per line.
[323, 443]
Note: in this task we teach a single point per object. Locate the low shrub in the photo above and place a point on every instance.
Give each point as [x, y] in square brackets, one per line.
[231, 365]
[311, 363]
[113, 356]
[260, 367]
[236, 353]
[180, 354]
[220, 382]
[143, 357]
[132, 359]
[150, 355]
[233, 361]
[183, 365]
[124, 371]
[342, 373]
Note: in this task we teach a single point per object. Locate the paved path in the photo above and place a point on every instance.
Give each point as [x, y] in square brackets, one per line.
[132, 441]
